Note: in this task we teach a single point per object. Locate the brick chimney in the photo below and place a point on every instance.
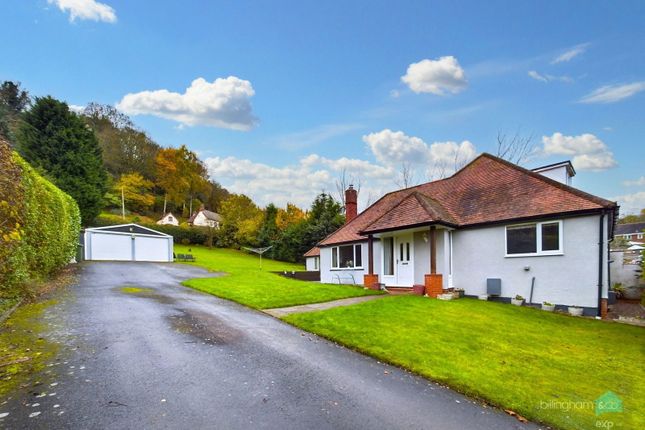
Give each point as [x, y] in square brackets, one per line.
[351, 205]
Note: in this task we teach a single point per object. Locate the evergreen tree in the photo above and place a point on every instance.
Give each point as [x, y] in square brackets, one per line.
[57, 142]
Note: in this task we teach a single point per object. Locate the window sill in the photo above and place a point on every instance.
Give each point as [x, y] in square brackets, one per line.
[341, 269]
[537, 254]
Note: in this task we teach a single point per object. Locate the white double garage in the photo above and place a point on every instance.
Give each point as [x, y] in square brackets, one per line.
[127, 242]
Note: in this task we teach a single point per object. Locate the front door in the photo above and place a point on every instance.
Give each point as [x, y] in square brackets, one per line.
[404, 260]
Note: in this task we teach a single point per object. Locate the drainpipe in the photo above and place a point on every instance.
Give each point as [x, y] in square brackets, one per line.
[600, 256]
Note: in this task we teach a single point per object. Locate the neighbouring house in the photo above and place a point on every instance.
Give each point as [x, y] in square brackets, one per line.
[491, 228]
[168, 219]
[312, 260]
[204, 218]
[634, 232]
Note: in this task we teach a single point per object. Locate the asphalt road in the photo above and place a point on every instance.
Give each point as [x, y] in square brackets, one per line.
[171, 357]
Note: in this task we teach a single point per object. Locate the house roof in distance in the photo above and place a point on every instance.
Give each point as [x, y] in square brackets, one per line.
[313, 252]
[487, 190]
[213, 216]
[636, 227]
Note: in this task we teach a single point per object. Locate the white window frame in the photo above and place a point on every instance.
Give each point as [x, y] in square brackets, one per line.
[538, 234]
[335, 249]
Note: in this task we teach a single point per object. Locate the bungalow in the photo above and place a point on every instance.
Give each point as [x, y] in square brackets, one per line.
[312, 260]
[491, 228]
[634, 232]
[168, 219]
[205, 218]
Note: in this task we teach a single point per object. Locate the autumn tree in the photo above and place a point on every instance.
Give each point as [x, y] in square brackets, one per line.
[136, 191]
[292, 214]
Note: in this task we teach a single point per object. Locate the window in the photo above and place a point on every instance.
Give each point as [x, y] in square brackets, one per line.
[388, 256]
[540, 238]
[346, 257]
[316, 263]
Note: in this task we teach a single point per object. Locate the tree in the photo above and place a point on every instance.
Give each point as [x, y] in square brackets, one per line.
[170, 177]
[56, 141]
[13, 101]
[630, 219]
[515, 148]
[135, 190]
[242, 220]
[125, 148]
[291, 215]
[343, 181]
[269, 231]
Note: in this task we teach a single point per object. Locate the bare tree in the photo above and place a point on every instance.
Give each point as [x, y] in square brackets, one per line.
[406, 176]
[343, 181]
[515, 148]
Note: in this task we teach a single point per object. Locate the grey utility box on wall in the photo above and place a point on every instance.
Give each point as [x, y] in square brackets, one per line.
[493, 286]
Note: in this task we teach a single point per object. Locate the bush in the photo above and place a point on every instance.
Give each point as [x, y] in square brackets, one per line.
[47, 232]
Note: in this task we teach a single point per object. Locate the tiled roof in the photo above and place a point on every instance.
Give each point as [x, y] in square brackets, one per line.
[313, 252]
[636, 227]
[487, 190]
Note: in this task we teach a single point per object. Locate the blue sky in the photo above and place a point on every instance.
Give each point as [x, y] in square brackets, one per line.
[279, 97]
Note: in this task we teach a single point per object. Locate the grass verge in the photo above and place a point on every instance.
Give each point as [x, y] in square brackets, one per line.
[245, 283]
[546, 367]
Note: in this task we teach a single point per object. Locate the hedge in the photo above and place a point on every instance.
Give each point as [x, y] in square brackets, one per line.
[44, 234]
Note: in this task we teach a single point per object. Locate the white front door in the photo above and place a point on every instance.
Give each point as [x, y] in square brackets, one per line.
[404, 260]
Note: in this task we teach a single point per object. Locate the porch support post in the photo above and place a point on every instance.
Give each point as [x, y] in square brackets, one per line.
[370, 280]
[370, 254]
[433, 281]
[433, 250]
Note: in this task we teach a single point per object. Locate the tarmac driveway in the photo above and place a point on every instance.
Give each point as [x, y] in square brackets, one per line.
[141, 351]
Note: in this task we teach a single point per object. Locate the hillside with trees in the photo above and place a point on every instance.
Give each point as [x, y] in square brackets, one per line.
[117, 173]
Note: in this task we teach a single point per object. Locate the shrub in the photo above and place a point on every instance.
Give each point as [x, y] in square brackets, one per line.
[48, 229]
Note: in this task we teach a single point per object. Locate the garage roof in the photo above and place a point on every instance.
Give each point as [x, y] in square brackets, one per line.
[129, 228]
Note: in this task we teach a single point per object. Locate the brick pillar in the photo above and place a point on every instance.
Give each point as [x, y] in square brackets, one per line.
[371, 281]
[603, 308]
[434, 284]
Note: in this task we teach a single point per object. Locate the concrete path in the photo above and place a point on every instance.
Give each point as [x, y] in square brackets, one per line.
[156, 355]
[280, 312]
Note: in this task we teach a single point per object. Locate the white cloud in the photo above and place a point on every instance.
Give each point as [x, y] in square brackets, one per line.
[631, 203]
[297, 183]
[613, 93]
[86, 9]
[571, 53]
[548, 78]
[395, 148]
[535, 75]
[222, 103]
[436, 76]
[76, 108]
[588, 151]
[640, 182]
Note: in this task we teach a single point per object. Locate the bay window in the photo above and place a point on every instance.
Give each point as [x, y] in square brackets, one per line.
[347, 257]
[538, 238]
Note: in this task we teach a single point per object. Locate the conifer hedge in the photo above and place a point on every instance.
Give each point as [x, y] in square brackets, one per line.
[39, 225]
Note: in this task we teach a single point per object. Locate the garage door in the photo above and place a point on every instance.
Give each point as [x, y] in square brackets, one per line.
[150, 249]
[110, 247]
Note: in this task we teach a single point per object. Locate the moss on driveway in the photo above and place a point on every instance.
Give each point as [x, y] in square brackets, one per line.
[546, 367]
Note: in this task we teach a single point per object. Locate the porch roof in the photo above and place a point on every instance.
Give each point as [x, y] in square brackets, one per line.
[413, 210]
[486, 190]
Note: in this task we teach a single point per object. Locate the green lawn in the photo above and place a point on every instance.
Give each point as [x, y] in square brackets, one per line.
[245, 283]
[517, 358]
